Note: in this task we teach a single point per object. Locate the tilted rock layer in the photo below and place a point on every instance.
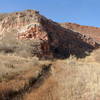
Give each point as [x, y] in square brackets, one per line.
[55, 40]
[89, 31]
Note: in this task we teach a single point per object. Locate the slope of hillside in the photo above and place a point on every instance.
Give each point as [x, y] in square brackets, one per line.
[93, 32]
[54, 40]
[43, 60]
[69, 79]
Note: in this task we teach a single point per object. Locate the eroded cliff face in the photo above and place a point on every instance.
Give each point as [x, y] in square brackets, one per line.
[55, 40]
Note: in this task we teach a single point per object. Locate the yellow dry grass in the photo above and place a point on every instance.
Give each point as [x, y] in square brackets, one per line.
[70, 79]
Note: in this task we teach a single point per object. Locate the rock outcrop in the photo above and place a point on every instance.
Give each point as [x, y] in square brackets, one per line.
[55, 40]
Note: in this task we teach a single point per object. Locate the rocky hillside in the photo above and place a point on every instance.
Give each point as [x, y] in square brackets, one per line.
[50, 38]
[89, 31]
[23, 76]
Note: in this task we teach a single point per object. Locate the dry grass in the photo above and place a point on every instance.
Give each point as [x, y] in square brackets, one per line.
[70, 79]
[11, 45]
[11, 65]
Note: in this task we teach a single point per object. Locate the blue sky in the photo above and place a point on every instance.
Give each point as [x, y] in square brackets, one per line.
[84, 12]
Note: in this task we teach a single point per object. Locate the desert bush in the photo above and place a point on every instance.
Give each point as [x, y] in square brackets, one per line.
[25, 48]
